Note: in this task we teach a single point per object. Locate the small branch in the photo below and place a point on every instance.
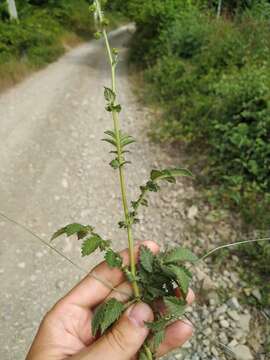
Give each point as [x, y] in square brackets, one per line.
[119, 154]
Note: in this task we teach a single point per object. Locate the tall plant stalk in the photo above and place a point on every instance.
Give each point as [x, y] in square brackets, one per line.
[116, 125]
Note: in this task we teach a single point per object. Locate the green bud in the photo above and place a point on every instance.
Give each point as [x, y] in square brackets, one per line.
[92, 8]
[97, 35]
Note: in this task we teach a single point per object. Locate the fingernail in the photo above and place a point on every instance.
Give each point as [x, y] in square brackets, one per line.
[140, 313]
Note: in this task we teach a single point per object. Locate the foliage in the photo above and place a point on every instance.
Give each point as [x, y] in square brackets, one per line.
[211, 78]
[39, 37]
[155, 276]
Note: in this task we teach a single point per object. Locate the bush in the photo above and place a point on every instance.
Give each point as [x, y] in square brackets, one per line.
[38, 38]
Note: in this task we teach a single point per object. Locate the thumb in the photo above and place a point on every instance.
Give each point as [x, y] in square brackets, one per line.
[126, 337]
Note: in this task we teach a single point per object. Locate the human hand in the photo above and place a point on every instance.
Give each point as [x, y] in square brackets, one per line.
[65, 332]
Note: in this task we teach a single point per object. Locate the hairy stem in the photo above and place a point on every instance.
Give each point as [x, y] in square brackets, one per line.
[119, 154]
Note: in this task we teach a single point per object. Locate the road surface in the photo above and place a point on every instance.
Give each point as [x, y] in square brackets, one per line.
[54, 170]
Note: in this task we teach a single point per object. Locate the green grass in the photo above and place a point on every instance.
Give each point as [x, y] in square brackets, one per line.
[43, 33]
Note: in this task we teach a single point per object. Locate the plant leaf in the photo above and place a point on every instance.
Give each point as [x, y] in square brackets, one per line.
[75, 228]
[157, 339]
[182, 277]
[105, 315]
[90, 245]
[179, 254]
[146, 258]
[110, 141]
[174, 305]
[159, 324]
[113, 259]
[169, 174]
[109, 95]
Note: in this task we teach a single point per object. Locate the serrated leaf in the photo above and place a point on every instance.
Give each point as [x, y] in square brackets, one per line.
[105, 315]
[109, 95]
[181, 276]
[104, 244]
[157, 339]
[146, 258]
[113, 259]
[110, 133]
[181, 172]
[117, 108]
[179, 254]
[174, 305]
[152, 186]
[72, 229]
[115, 164]
[169, 174]
[90, 245]
[127, 140]
[159, 324]
[110, 141]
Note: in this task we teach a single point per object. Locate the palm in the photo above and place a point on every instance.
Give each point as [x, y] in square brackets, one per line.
[71, 332]
[66, 330]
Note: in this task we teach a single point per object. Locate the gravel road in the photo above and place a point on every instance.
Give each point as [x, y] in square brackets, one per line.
[54, 170]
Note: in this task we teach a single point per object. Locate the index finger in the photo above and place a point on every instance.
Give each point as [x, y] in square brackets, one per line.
[97, 285]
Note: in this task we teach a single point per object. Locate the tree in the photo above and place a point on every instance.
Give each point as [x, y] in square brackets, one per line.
[12, 9]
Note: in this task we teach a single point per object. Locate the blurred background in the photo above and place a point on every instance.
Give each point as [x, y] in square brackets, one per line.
[194, 82]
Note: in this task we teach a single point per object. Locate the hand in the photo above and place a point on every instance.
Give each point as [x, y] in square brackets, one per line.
[65, 332]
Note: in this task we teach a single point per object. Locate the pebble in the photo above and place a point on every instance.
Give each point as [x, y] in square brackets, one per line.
[233, 303]
[242, 352]
[224, 323]
[256, 293]
[243, 322]
[21, 265]
[233, 315]
[65, 183]
[192, 212]
[221, 310]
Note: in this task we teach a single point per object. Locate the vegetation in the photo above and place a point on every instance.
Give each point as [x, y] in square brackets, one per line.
[155, 276]
[44, 30]
[210, 75]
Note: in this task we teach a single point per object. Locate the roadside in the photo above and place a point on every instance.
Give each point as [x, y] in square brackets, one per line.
[54, 170]
[43, 34]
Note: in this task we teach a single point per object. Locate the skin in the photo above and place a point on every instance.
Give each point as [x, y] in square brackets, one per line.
[65, 332]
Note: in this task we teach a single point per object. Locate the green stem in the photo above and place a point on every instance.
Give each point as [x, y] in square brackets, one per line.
[148, 352]
[121, 170]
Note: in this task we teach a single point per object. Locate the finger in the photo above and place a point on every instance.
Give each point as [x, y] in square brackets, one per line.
[175, 336]
[177, 333]
[126, 337]
[160, 306]
[94, 288]
[122, 292]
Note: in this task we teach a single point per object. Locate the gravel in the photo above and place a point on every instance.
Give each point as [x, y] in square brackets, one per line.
[54, 170]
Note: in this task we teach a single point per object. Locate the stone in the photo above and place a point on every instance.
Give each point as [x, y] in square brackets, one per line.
[21, 265]
[256, 293]
[64, 183]
[221, 310]
[242, 352]
[224, 323]
[233, 303]
[233, 315]
[233, 343]
[243, 322]
[192, 212]
[207, 282]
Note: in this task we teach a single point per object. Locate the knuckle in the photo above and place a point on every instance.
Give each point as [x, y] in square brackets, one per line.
[117, 340]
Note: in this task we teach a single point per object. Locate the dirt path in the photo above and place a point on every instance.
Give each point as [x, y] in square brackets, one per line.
[54, 170]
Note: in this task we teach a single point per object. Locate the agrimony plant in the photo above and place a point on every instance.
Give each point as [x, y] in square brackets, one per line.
[153, 277]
